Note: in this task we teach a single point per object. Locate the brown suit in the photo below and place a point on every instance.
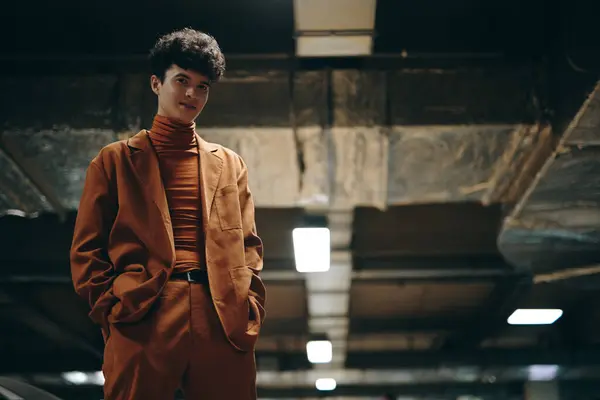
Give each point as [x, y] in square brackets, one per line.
[123, 250]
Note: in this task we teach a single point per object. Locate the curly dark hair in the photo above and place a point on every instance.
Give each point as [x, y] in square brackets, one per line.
[188, 49]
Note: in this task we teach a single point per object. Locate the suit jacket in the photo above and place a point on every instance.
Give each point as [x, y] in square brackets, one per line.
[123, 251]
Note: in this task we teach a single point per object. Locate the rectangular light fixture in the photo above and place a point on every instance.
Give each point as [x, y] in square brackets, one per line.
[543, 372]
[535, 316]
[319, 351]
[334, 15]
[84, 378]
[334, 45]
[312, 249]
[325, 384]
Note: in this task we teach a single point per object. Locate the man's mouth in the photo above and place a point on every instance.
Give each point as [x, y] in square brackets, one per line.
[188, 106]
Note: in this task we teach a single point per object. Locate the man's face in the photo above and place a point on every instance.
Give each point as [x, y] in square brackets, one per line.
[182, 95]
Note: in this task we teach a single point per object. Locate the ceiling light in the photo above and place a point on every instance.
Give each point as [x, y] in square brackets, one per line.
[534, 316]
[312, 249]
[75, 377]
[334, 15]
[319, 351]
[325, 384]
[543, 372]
[334, 45]
[84, 378]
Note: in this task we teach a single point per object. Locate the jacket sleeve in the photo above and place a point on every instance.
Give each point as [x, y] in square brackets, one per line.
[253, 244]
[91, 269]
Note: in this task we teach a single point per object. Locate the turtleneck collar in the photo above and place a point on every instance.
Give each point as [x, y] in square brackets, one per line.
[169, 132]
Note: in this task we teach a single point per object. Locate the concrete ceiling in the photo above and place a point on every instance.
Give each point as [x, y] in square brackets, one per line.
[456, 170]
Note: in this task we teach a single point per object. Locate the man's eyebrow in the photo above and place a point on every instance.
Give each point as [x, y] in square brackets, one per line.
[181, 74]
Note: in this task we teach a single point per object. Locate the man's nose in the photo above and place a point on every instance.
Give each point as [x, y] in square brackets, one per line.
[191, 93]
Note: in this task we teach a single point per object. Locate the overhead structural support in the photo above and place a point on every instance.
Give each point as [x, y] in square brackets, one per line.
[559, 209]
[328, 292]
[34, 175]
[331, 28]
[489, 358]
[467, 274]
[507, 294]
[19, 193]
[39, 322]
[450, 390]
[399, 271]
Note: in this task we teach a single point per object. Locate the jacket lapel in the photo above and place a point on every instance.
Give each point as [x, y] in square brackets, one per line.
[147, 170]
[211, 166]
[145, 162]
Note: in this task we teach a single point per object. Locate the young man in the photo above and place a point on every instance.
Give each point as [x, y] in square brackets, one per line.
[165, 248]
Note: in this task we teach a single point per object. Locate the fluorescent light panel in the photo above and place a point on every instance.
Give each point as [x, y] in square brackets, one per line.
[319, 351]
[334, 46]
[325, 384]
[535, 316]
[84, 378]
[543, 372]
[334, 15]
[312, 249]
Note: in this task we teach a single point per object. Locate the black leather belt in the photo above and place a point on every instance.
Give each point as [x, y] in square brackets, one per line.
[194, 276]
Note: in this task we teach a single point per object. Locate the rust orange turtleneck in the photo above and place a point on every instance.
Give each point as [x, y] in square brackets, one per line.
[177, 149]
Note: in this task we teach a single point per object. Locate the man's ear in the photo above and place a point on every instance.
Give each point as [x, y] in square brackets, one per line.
[155, 84]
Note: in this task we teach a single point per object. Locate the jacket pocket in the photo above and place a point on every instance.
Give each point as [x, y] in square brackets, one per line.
[227, 204]
[241, 277]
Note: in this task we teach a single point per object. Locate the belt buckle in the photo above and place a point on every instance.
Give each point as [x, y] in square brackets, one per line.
[189, 276]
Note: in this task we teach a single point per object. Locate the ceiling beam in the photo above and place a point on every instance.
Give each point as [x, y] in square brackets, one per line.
[489, 358]
[40, 322]
[328, 292]
[512, 390]
[554, 225]
[25, 64]
[14, 274]
[351, 128]
[377, 362]
[363, 326]
[459, 275]
[449, 390]
[55, 333]
[19, 194]
[508, 293]
[34, 174]
[520, 163]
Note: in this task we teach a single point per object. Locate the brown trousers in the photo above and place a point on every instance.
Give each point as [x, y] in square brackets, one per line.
[179, 344]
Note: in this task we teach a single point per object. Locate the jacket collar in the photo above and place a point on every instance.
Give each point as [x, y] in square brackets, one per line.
[141, 141]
